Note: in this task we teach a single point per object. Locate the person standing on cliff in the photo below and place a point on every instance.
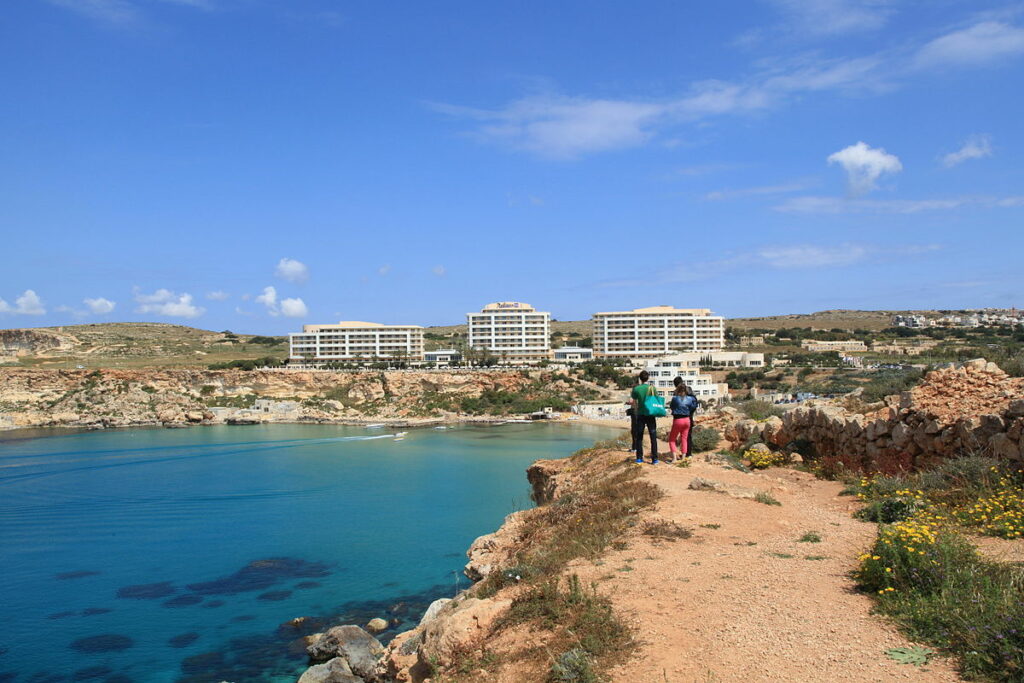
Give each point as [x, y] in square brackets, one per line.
[644, 420]
[694, 407]
[682, 407]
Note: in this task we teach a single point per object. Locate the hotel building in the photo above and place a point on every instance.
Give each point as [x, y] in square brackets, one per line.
[353, 340]
[511, 330]
[686, 365]
[656, 331]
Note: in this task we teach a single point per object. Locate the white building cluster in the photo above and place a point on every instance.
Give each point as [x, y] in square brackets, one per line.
[517, 333]
[987, 317]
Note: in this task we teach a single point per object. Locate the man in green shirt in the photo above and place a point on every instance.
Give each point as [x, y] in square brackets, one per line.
[643, 420]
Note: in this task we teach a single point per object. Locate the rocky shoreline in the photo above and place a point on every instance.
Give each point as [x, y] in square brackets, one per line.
[450, 626]
[102, 399]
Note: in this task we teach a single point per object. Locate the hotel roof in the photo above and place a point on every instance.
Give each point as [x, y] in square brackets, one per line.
[660, 309]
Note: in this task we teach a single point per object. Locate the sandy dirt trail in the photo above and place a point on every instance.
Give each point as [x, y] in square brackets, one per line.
[747, 601]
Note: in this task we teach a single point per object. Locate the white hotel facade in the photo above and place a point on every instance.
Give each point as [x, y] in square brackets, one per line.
[354, 340]
[511, 330]
[657, 331]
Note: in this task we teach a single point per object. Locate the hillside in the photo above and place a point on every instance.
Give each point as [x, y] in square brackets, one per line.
[130, 345]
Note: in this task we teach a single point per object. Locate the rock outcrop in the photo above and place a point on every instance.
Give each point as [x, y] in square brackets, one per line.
[118, 398]
[973, 408]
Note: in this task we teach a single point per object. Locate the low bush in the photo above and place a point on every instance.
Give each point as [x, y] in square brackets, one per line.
[766, 498]
[578, 616]
[761, 459]
[759, 410]
[705, 439]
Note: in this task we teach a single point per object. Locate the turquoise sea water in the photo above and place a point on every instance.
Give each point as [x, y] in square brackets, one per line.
[175, 555]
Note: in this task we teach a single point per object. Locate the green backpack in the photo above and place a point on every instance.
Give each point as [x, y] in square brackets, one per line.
[654, 405]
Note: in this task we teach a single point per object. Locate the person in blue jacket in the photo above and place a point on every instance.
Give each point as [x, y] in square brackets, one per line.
[683, 406]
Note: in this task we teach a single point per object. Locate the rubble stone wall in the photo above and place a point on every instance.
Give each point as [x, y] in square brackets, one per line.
[974, 408]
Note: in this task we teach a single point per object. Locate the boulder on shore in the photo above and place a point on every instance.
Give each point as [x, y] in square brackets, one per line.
[351, 643]
[336, 670]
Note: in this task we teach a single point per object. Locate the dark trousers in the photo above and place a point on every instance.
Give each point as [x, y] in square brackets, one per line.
[650, 423]
[689, 436]
[632, 430]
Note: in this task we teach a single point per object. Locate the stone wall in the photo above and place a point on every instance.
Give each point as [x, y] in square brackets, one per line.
[974, 408]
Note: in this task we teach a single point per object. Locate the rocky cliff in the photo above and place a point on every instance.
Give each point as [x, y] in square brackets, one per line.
[118, 398]
[18, 343]
[973, 408]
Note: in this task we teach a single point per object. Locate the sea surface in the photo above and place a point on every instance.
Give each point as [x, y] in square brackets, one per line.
[183, 554]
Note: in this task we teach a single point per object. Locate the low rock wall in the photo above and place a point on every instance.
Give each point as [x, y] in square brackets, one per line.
[974, 408]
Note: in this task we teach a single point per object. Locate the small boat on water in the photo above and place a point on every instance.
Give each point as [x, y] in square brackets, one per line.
[441, 427]
[375, 426]
[400, 436]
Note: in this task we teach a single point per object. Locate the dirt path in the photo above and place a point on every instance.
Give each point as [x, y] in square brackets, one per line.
[747, 601]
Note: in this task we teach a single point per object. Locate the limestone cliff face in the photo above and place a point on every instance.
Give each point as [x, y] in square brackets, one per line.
[15, 343]
[143, 397]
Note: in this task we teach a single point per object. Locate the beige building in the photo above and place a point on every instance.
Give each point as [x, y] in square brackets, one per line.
[656, 331]
[841, 346]
[354, 340]
[663, 372]
[511, 330]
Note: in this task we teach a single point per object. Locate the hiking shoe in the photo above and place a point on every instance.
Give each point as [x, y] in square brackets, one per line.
[655, 461]
[639, 461]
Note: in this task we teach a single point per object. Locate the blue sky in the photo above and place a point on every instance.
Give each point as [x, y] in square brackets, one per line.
[254, 164]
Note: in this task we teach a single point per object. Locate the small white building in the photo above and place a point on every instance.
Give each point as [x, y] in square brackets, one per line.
[443, 356]
[573, 354]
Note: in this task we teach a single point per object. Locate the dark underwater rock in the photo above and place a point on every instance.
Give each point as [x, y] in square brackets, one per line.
[260, 575]
[183, 639]
[146, 591]
[80, 574]
[183, 601]
[274, 596]
[93, 611]
[104, 642]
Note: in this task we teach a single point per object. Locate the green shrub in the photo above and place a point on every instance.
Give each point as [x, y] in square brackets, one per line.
[759, 410]
[766, 498]
[574, 666]
[705, 439]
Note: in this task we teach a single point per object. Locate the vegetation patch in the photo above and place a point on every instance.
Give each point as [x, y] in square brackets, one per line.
[705, 439]
[587, 633]
[759, 410]
[810, 537]
[766, 498]
[666, 530]
[929, 579]
[761, 459]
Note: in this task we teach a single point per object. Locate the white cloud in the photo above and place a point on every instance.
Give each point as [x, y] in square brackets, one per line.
[778, 257]
[983, 43]
[864, 165]
[120, 13]
[293, 308]
[439, 271]
[117, 12]
[756, 191]
[840, 205]
[384, 270]
[99, 305]
[811, 256]
[562, 127]
[269, 299]
[831, 17]
[167, 303]
[218, 295]
[28, 303]
[976, 147]
[292, 270]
